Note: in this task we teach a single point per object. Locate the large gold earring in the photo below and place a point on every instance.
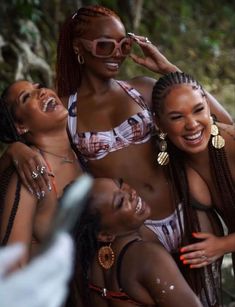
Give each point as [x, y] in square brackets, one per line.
[106, 257]
[217, 140]
[163, 156]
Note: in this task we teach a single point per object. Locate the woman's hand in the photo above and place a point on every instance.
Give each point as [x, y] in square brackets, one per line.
[31, 168]
[205, 252]
[153, 60]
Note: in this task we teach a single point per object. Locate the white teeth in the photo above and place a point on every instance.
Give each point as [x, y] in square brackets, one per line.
[194, 136]
[139, 205]
[50, 101]
[112, 64]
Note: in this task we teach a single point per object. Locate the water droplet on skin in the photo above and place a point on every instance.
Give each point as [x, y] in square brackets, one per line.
[163, 291]
[172, 287]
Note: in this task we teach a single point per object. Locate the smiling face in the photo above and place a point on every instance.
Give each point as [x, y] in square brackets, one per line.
[185, 117]
[35, 108]
[102, 28]
[121, 209]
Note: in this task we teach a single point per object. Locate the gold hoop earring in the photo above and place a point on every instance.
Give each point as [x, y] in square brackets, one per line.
[80, 59]
[163, 156]
[217, 140]
[106, 257]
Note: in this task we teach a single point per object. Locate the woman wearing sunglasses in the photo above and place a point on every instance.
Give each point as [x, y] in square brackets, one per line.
[110, 121]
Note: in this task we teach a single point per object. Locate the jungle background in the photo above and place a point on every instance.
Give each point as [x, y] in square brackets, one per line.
[197, 36]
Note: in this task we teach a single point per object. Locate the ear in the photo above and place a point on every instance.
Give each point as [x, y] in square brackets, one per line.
[77, 46]
[21, 129]
[104, 236]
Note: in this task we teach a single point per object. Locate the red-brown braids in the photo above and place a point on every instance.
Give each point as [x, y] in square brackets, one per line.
[68, 70]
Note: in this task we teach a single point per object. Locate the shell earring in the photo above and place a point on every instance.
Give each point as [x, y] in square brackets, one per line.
[163, 156]
[217, 140]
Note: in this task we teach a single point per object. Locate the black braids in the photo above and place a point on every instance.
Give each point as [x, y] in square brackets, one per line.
[85, 236]
[224, 184]
[8, 132]
[13, 213]
[177, 172]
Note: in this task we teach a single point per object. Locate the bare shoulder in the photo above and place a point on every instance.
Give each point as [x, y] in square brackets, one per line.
[144, 85]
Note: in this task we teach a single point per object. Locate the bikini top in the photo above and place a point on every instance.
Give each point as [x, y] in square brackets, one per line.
[137, 129]
[117, 295]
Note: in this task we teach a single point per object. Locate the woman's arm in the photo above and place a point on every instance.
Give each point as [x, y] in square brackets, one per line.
[155, 61]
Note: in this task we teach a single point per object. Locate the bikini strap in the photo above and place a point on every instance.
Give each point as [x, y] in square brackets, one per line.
[120, 258]
[131, 91]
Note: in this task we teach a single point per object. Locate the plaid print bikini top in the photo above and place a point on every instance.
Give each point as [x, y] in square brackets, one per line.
[136, 129]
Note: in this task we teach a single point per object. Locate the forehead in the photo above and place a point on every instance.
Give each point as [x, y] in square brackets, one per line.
[182, 95]
[105, 27]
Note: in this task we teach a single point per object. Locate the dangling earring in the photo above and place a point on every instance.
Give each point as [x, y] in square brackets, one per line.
[217, 140]
[80, 59]
[163, 156]
[25, 131]
[106, 257]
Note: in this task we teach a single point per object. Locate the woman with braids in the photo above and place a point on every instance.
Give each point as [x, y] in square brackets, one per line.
[37, 117]
[193, 138]
[110, 121]
[119, 268]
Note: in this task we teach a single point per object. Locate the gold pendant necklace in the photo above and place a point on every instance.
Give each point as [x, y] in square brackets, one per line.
[64, 159]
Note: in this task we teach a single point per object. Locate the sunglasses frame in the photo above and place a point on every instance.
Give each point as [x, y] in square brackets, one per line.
[91, 45]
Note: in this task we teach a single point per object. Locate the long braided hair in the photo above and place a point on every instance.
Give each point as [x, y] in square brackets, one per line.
[85, 236]
[8, 134]
[68, 70]
[176, 172]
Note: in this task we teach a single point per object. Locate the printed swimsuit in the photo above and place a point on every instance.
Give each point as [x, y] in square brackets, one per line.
[136, 129]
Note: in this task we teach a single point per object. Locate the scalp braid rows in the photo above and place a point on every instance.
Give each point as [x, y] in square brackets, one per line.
[68, 70]
[163, 86]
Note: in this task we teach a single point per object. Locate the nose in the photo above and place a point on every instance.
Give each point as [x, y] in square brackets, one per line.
[117, 52]
[191, 123]
[42, 92]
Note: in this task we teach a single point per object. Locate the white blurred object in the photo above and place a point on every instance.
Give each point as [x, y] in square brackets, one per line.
[43, 282]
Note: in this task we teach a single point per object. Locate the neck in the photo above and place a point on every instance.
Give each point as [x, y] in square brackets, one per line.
[57, 143]
[94, 85]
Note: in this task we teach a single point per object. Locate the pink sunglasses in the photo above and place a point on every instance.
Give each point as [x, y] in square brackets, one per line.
[106, 47]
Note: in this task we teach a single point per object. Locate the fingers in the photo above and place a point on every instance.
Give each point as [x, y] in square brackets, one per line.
[34, 175]
[195, 259]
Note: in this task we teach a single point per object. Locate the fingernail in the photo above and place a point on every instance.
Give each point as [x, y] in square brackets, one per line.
[30, 190]
[38, 194]
[131, 34]
[185, 262]
[182, 250]
[42, 193]
[49, 187]
[181, 257]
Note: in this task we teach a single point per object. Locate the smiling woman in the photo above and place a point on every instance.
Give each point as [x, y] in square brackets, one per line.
[36, 116]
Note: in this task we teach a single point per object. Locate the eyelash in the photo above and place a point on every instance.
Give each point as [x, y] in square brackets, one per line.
[26, 96]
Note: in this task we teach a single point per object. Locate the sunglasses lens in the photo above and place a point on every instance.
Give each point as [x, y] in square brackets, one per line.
[104, 48]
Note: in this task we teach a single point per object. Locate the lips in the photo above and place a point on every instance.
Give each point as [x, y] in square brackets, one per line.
[194, 138]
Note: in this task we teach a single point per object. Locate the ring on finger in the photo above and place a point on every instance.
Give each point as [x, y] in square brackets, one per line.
[42, 170]
[147, 40]
[34, 175]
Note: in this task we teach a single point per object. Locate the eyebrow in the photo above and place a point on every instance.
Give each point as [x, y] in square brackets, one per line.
[178, 112]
